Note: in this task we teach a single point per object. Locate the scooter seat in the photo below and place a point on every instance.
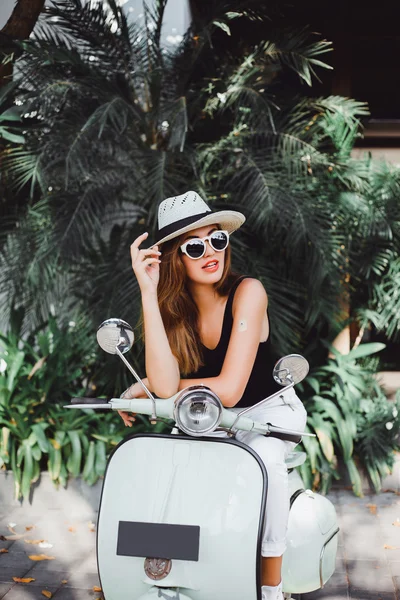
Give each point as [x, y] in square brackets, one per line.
[295, 459]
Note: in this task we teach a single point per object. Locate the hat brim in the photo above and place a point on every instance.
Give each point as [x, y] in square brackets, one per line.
[229, 220]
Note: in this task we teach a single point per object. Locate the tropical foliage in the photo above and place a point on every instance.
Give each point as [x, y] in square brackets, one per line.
[113, 122]
[38, 377]
[353, 422]
[8, 117]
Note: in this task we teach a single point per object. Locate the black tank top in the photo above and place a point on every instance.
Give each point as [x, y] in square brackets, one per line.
[261, 383]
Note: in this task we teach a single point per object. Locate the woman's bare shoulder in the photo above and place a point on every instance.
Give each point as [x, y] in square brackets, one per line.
[251, 285]
[250, 291]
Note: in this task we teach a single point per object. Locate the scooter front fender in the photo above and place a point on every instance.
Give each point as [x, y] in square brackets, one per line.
[312, 540]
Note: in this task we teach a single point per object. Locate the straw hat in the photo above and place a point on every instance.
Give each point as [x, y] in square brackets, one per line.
[188, 211]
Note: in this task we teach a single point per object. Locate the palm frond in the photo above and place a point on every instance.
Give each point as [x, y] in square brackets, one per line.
[294, 50]
[383, 309]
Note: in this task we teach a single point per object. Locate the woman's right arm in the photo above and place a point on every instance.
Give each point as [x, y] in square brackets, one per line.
[162, 367]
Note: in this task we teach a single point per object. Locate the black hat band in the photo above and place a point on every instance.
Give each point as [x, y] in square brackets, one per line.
[177, 225]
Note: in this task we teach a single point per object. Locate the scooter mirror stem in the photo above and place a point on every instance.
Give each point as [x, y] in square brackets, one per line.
[245, 410]
[153, 416]
[274, 395]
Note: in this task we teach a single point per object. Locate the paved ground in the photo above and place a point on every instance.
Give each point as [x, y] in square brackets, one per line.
[368, 564]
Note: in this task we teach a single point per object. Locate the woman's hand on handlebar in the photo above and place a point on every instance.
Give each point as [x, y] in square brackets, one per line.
[128, 418]
[133, 391]
[146, 265]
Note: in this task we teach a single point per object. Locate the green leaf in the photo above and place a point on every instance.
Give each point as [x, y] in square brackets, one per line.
[31, 440]
[11, 137]
[39, 430]
[55, 462]
[11, 114]
[102, 438]
[36, 453]
[88, 469]
[28, 471]
[17, 360]
[365, 350]
[346, 439]
[324, 432]
[375, 478]
[101, 461]
[63, 477]
[60, 437]
[319, 63]
[15, 469]
[4, 395]
[312, 448]
[4, 440]
[6, 90]
[20, 454]
[327, 407]
[222, 26]
[75, 458]
[314, 384]
[36, 472]
[354, 477]
[233, 15]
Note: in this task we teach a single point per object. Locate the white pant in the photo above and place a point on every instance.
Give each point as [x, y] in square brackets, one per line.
[286, 410]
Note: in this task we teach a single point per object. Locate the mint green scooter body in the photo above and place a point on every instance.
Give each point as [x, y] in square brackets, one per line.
[211, 492]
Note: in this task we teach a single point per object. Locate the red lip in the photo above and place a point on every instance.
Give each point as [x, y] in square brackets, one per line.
[209, 263]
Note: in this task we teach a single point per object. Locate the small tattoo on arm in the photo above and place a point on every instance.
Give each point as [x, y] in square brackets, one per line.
[242, 325]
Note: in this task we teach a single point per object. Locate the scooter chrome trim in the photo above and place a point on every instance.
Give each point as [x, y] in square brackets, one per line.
[149, 394]
[157, 568]
[271, 397]
[248, 408]
[321, 579]
[209, 398]
[294, 496]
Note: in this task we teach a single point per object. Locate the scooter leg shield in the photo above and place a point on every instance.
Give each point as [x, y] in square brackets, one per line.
[196, 504]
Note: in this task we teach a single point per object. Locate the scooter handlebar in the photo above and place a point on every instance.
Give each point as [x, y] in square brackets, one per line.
[165, 409]
[97, 401]
[142, 406]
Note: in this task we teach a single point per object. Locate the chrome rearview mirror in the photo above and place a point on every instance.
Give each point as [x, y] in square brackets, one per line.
[116, 336]
[113, 334]
[290, 369]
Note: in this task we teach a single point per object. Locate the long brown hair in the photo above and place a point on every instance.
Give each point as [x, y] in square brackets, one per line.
[178, 309]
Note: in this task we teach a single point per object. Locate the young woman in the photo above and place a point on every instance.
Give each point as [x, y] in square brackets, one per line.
[204, 324]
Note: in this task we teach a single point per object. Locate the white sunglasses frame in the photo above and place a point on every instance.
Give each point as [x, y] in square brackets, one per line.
[204, 240]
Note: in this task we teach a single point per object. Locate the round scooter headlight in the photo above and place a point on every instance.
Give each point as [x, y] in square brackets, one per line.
[198, 411]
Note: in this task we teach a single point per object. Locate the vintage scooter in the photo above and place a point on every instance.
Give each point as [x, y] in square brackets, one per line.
[181, 514]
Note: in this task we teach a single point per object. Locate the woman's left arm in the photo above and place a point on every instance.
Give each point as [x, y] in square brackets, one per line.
[249, 313]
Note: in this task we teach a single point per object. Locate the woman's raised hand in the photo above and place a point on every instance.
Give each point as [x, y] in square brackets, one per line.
[146, 265]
